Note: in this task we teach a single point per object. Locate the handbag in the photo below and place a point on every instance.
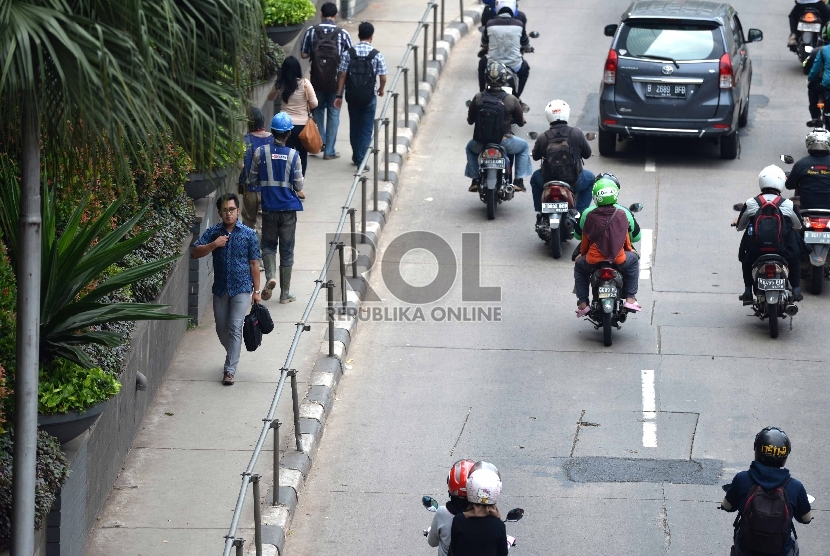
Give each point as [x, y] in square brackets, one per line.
[310, 135]
[251, 330]
[266, 323]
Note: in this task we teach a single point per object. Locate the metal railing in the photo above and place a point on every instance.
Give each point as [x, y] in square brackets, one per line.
[336, 246]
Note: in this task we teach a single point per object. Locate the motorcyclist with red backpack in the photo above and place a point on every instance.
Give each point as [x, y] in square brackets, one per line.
[767, 498]
[769, 222]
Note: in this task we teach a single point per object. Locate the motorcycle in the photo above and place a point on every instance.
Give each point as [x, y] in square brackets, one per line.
[807, 33]
[607, 298]
[512, 83]
[513, 516]
[772, 295]
[559, 214]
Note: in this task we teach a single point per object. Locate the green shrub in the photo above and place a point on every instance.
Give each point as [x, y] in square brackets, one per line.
[65, 386]
[287, 12]
[261, 62]
[51, 474]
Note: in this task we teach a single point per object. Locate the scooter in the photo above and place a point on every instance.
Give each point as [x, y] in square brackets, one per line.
[513, 516]
[512, 83]
[807, 33]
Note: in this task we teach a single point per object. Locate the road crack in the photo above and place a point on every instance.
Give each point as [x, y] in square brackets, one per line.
[464, 424]
[664, 518]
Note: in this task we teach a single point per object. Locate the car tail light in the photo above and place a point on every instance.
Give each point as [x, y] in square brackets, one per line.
[606, 274]
[726, 80]
[809, 17]
[721, 126]
[770, 270]
[610, 122]
[610, 76]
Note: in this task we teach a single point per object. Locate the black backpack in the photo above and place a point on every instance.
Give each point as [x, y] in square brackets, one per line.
[559, 163]
[489, 125]
[251, 329]
[325, 59]
[768, 226]
[360, 79]
[765, 523]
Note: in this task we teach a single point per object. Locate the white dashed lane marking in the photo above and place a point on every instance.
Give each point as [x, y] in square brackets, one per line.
[649, 410]
[646, 250]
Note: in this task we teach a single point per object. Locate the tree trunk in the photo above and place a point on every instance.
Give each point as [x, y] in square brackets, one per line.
[28, 336]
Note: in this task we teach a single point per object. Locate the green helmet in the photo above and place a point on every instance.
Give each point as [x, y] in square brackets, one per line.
[605, 192]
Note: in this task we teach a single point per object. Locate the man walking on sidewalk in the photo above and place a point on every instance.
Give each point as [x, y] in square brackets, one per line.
[277, 171]
[325, 44]
[235, 249]
[359, 67]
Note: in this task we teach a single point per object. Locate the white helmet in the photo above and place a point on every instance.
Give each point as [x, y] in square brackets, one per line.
[557, 110]
[818, 140]
[483, 487]
[512, 4]
[772, 177]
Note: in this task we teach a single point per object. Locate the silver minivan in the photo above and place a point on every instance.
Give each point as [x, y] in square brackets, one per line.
[676, 69]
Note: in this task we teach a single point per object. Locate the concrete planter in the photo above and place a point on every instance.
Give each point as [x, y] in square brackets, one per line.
[199, 186]
[68, 426]
[284, 34]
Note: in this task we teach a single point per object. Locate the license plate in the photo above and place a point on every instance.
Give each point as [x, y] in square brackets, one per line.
[655, 90]
[605, 292]
[809, 27]
[817, 237]
[770, 284]
[556, 207]
[492, 163]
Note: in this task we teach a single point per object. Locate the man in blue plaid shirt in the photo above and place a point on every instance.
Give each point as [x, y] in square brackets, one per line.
[361, 110]
[325, 94]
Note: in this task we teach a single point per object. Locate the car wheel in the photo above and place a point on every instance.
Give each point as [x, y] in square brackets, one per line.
[729, 145]
[607, 143]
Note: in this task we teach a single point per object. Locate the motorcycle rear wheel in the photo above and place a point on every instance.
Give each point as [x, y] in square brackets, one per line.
[555, 244]
[490, 199]
[606, 328]
[772, 314]
[816, 279]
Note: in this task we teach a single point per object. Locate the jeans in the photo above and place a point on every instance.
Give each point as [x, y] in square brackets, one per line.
[278, 230]
[630, 271]
[513, 145]
[295, 143]
[584, 186]
[360, 130]
[229, 313]
[328, 133]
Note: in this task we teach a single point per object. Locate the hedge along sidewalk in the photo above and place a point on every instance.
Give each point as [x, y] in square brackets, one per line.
[327, 372]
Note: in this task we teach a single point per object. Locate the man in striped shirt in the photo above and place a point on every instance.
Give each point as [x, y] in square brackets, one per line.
[326, 92]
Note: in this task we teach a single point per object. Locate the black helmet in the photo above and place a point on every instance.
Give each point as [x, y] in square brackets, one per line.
[608, 176]
[496, 74]
[772, 446]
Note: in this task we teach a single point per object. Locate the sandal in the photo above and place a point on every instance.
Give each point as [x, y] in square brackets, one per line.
[582, 312]
[634, 307]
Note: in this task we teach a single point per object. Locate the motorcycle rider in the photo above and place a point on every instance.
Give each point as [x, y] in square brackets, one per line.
[513, 114]
[771, 182]
[607, 232]
[479, 531]
[798, 10]
[811, 174]
[439, 532]
[814, 89]
[557, 113]
[490, 12]
[504, 39]
[765, 476]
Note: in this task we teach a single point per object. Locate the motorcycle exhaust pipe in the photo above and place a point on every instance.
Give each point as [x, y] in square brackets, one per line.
[507, 192]
[791, 310]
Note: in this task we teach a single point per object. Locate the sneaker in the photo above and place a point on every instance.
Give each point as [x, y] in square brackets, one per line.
[792, 40]
[331, 157]
[814, 123]
[519, 185]
[300, 195]
[797, 295]
[474, 186]
[269, 289]
[227, 379]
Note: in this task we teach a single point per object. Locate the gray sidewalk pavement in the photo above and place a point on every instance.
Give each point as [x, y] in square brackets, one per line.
[179, 484]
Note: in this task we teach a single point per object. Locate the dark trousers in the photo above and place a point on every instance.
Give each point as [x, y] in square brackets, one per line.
[630, 271]
[736, 551]
[814, 93]
[798, 11]
[295, 143]
[361, 127]
[522, 74]
[279, 230]
[795, 271]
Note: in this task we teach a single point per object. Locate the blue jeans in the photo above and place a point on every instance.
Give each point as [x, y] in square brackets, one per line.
[584, 187]
[328, 133]
[361, 128]
[513, 145]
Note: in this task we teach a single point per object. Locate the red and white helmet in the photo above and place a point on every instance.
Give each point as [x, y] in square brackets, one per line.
[483, 487]
[457, 478]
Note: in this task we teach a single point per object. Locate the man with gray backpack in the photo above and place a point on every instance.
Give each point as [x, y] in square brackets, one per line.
[767, 498]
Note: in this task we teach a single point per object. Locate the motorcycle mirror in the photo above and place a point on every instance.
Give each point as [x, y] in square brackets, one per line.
[469, 102]
[515, 514]
[525, 108]
[738, 207]
[787, 159]
[533, 135]
[590, 136]
[430, 503]
[611, 30]
[754, 35]
[533, 34]
[636, 207]
[811, 498]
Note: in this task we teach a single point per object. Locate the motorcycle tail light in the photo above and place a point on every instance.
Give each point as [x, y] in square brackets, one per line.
[606, 274]
[610, 76]
[819, 223]
[770, 270]
[726, 73]
[820, 105]
[809, 17]
[491, 153]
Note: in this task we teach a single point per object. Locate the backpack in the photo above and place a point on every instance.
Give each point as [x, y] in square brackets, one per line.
[768, 226]
[489, 124]
[251, 330]
[360, 80]
[765, 522]
[325, 59]
[559, 163]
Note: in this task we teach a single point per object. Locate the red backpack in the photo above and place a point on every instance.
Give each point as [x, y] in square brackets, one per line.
[768, 226]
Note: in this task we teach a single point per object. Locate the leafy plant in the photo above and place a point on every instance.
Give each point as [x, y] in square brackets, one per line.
[52, 470]
[65, 386]
[287, 12]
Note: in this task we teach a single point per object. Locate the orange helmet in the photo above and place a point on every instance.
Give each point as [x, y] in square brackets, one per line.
[457, 478]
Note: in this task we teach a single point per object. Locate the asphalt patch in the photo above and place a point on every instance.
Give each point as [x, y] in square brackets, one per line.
[631, 470]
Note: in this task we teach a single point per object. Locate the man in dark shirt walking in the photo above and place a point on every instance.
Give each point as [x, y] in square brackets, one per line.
[235, 249]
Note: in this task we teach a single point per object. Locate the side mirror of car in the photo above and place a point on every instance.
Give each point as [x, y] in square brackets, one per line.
[533, 135]
[787, 159]
[590, 136]
[611, 30]
[738, 207]
[636, 207]
[533, 34]
[754, 35]
[469, 102]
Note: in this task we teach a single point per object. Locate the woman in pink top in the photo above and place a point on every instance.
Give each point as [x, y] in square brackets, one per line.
[298, 98]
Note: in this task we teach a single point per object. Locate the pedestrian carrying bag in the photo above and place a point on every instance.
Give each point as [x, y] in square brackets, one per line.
[360, 78]
[559, 163]
[310, 135]
[489, 122]
[768, 226]
[765, 524]
[251, 329]
[325, 59]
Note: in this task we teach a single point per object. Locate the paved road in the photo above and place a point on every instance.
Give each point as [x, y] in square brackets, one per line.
[537, 393]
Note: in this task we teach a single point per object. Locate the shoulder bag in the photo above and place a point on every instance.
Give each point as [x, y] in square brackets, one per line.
[310, 135]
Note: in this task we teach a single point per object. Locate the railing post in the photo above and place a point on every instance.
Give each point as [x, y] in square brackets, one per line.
[406, 97]
[377, 153]
[275, 499]
[363, 181]
[435, 31]
[426, 50]
[295, 399]
[257, 516]
[443, 27]
[343, 282]
[395, 122]
[354, 242]
[461, 3]
[415, 67]
[386, 150]
[238, 544]
[330, 310]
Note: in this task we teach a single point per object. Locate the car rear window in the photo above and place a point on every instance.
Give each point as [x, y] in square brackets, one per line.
[678, 41]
